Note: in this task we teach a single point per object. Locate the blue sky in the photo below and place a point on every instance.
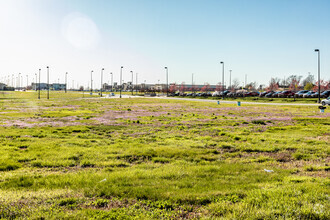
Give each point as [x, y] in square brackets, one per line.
[257, 38]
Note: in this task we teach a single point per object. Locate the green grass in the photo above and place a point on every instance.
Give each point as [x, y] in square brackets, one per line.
[87, 158]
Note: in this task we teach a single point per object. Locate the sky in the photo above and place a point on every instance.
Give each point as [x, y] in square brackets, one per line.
[258, 39]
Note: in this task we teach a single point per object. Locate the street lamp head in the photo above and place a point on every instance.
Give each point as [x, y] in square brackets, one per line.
[165, 67]
[102, 68]
[121, 67]
[221, 62]
[47, 67]
[317, 50]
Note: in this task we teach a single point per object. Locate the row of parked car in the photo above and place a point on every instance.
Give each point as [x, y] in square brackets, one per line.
[267, 94]
[299, 94]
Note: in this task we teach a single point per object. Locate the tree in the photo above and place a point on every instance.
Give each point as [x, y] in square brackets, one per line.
[183, 87]
[284, 83]
[294, 82]
[308, 80]
[309, 86]
[234, 85]
[206, 88]
[273, 84]
[194, 88]
[219, 87]
[324, 85]
[173, 88]
[251, 86]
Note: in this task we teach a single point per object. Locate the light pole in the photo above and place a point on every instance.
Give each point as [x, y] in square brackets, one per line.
[92, 82]
[132, 81]
[111, 82]
[39, 84]
[245, 80]
[47, 82]
[66, 74]
[101, 80]
[192, 82]
[230, 79]
[121, 83]
[136, 81]
[319, 87]
[19, 81]
[36, 81]
[166, 80]
[27, 81]
[223, 80]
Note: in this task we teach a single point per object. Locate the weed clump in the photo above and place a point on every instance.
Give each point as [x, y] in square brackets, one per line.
[9, 165]
[259, 122]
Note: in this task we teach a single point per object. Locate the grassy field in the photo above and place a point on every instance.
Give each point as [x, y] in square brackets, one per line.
[88, 158]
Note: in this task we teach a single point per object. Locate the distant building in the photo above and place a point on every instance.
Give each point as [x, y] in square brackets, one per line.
[43, 86]
[57, 86]
[2, 86]
[35, 86]
[5, 87]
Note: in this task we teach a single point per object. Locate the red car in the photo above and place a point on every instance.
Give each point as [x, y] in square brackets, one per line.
[286, 94]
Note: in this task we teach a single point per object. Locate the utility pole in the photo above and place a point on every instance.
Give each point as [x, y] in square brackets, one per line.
[47, 82]
[92, 82]
[121, 83]
[136, 81]
[66, 74]
[230, 79]
[223, 79]
[132, 82]
[319, 87]
[166, 80]
[192, 82]
[101, 80]
[39, 84]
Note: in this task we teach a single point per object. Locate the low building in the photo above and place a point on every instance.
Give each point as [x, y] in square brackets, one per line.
[57, 86]
[36, 86]
[2, 86]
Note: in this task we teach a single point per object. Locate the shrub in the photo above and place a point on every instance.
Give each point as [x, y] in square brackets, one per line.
[100, 203]
[259, 122]
[67, 201]
[9, 165]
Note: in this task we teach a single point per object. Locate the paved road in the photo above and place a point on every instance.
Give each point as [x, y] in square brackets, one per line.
[215, 101]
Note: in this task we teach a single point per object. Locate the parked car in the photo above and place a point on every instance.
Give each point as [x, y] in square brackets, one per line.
[224, 92]
[286, 94]
[308, 94]
[231, 94]
[315, 95]
[262, 94]
[325, 94]
[270, 94]
[325, 101]
[216, 93]
[251, 94]
[300, 93]
[275, 94]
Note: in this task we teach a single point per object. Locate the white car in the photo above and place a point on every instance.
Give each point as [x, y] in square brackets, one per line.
[326, 101]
